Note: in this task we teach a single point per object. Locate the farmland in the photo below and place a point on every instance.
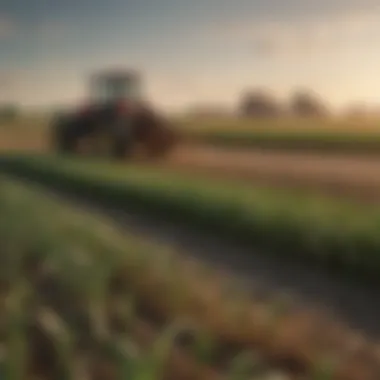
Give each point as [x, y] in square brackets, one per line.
[27, 133]
[73, 292]
[91, 299]
[113, 331]
[304, 135]
[333, 173]
[338, 235]
[338, 135]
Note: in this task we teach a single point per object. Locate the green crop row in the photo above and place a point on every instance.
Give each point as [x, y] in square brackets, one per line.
[337, 235]
[325, 141]
[49, 267]
[353, 136]
[58, 308]
[71, 286]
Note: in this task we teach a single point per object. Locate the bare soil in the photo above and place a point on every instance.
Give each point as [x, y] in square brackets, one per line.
[22, 142]
[350, 176]
[333, 174]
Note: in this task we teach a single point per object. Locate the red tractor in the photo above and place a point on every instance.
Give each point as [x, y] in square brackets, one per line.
[116, 121]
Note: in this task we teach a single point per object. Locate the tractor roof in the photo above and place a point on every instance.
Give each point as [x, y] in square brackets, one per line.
[115, 74]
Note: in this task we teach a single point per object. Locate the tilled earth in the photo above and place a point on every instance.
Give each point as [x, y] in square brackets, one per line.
[355, 177]
[351, 176]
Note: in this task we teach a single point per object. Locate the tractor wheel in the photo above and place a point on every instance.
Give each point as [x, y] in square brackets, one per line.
[119, 150]
[155, 135]
[121, 147]
[123, 139]
[162, 142]
[63, 142]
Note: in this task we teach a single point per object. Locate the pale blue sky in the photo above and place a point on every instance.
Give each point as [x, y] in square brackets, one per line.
[192, 50]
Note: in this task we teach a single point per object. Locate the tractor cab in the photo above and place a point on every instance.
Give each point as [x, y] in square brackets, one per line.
[115, 87]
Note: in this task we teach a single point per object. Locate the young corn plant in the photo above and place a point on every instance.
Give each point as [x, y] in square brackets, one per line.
[16, 331]
[57, 330]
[124, 354]
[205, 346]
[96, 288]
[324, 369]
[151, 365]
[120, 349]
[246, 366]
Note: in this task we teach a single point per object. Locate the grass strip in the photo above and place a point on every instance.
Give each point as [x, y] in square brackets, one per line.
[338, 235]
[69, 248]
[48, 300]
[334, 142]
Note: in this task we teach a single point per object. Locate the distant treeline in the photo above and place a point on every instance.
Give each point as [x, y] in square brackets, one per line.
[263, 104]
[303, 103]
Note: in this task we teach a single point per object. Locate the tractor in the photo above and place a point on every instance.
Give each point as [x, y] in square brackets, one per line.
[115, 121]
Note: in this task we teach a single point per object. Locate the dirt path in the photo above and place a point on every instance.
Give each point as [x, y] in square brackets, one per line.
[352, 176]
[353, 304]
[346, 175]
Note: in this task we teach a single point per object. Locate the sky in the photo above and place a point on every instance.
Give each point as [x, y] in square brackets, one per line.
[191, 51]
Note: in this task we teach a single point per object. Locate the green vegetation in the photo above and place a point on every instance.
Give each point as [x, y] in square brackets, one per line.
[66, 307]
[323, 135]
[337, 235]
[72, 288]
[287, 140]
[308, 134]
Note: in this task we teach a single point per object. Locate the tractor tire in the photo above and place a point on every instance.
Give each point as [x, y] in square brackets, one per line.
[156, 136]
[122, 144]
[63, 141]
[160, 145]
[120, 149]
[123, 132]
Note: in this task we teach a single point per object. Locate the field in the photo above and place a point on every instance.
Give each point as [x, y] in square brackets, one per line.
[331, 135]
[334, 173]
[339, 235]
[104, 303]
[80, 299]
[305, 135]
[91, 299]
[28, 133]
[334, 156]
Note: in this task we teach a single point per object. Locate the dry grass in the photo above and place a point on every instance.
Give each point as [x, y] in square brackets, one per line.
[347, 175]
[281, 125]
[26, 134]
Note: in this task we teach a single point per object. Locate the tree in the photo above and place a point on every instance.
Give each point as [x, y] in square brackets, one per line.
[8, 112]
[307, 104]
[259, 103]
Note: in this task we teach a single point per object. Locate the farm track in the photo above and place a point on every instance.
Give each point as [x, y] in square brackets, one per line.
[352, 304]
[344, 175]
[332, 174]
